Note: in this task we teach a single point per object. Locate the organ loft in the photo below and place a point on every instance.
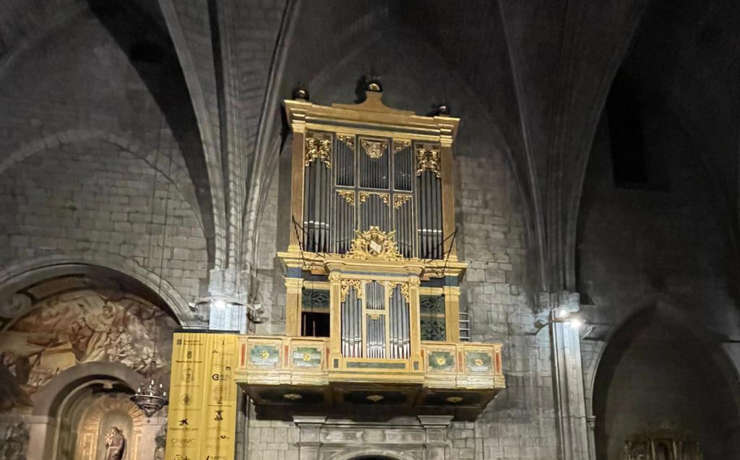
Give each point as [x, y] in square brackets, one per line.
[372, 282]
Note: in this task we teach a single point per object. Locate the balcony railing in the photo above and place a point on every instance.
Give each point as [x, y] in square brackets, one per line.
[273, 360]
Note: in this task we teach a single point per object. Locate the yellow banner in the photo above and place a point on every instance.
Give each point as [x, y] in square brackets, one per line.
[202, 409]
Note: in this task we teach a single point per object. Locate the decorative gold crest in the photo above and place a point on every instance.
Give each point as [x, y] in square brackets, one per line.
[374, 244]
[428, 157]
[374, 149]
[318, 147]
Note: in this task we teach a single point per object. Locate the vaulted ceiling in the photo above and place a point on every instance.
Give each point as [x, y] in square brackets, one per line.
[536, 73]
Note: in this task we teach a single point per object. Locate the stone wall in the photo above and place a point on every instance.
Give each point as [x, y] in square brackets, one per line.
[80, 154]
[520, 423]
[647, 255]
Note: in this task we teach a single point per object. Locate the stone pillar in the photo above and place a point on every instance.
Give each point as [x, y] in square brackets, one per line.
[435, 427]
[570, 397]
[309, 436]
[41, 430]
[226, 301]
[591, 424]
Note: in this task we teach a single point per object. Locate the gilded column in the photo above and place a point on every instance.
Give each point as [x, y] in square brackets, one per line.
[452, 313]
[296, 200]
[335, 320]
[415, 332]
[448, 196]
[293, 299]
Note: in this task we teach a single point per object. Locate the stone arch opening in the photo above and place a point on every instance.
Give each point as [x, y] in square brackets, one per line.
[17, 280]
[658, 375]
[74, 349]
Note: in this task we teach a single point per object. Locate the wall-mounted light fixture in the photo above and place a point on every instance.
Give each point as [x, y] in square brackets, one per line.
[560, 315]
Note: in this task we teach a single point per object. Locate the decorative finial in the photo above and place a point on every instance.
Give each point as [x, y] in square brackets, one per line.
[301, 92]
[374, 85]
[442, 109]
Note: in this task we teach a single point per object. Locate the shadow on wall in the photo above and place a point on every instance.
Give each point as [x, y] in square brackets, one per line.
[658, 374]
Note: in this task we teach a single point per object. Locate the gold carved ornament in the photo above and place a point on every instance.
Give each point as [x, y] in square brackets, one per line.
[428, 156]
[347, 139]
[348, 195]
[374, 149]
[345, 286]
[318, 147]
[400, 199]
[374, 244]
[405, 292]
[383, 196]
[399, 145]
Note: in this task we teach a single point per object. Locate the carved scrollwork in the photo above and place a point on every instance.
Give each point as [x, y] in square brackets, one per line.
[400, 144]
[348, 195]
[428, 156]
[348, 139]
[404, 287]
[383, 196]
[373, 148]
[400, 199]
[347, 284]
[374, 244]
[318, 147]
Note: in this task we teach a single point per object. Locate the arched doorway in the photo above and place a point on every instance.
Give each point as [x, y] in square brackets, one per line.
[658, 376]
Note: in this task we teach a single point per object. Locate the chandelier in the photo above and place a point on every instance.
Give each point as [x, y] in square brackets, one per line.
[151, 398]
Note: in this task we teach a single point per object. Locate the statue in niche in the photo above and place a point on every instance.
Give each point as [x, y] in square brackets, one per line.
[115, 444]
[15, 442]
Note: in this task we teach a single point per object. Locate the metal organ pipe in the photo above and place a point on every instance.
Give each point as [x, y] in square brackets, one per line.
[351, 325]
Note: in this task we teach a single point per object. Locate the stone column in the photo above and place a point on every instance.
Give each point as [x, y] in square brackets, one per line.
[41, 430]
[226, 301]
[591, 424]
[435, 427]
[309, 436]
[570, 401]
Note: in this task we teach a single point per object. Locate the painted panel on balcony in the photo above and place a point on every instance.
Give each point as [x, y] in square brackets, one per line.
[441, 361]
[264, 355]
[478, 361]
[306, 357]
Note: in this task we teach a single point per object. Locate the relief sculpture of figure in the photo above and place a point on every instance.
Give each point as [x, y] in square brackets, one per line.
[115, 444]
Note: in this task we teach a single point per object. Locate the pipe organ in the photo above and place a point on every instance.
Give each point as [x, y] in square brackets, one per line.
[371, 272]
[354, 182]
[372, 290]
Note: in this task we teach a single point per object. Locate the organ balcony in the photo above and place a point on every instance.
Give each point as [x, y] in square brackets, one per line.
[371, 273]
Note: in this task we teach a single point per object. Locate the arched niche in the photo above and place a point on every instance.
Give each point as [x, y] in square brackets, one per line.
[86, 334]
[16, 280]
[661, 372]
[103, 413]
